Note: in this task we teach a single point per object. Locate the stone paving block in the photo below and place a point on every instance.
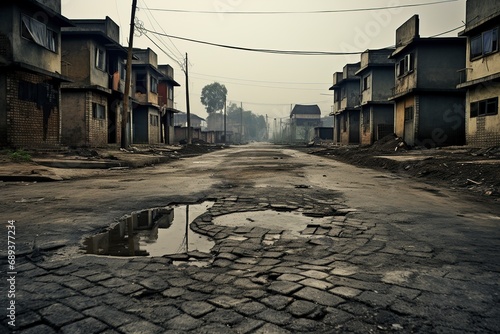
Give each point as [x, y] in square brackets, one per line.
[279, 318]
[158, 314]
[316, 283]
[344, 270]
[245, 283]
[304, 325]
[183, 322]
[269, 262]
[26, 319]
[227, 256]
[249, 308]
[129, 288]
[155, 283]
[215, 328]
[223, 279]
[272, 255]
[222, 263]
[204, 276]
[224, 316]
[197, 309]
[77, 283]
[345, 291]
[110, 315]
[98, 277]
[318, 296]
[155, 267]
[309, 267]
[276, 302]
[95, 291]
[248, 325]
[315, 274]
[271, 329]
[290, 277]
[39, 329]
[202, 287]
[80, 303]
[59, 315]
[284, 287]
[85, 326]
[55, 291]
[255, 294]
[301, 308]
[114, 282]
[227, 301]
[142, 327]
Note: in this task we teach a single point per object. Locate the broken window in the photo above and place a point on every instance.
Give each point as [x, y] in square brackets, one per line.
[484, 107]
[409, 114]
[405, 65]
[98, 111]
[154, 85]
[154, 120]
[484, 44]
[38, 32]
[140, 83]
[100, 59]
[366, 82]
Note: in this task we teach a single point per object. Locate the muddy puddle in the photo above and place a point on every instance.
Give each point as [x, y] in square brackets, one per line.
[294, 221]
[153, 232]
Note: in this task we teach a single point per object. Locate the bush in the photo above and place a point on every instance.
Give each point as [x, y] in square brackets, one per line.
[20, 156]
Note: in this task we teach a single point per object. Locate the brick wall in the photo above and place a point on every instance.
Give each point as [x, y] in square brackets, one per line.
[30, 124]
[98, 128]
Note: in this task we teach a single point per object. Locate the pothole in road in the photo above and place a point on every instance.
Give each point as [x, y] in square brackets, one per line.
[293, 222]
[153, 232]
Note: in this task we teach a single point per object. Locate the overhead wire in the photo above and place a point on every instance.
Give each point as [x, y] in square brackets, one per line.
[301, 12]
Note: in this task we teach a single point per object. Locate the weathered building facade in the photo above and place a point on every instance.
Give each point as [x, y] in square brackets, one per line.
[376, 81]
[481, 75]
[429, 109]
[30, 67]
[95, 62]
[146, 125]
[346, 100]
[303, 120]
[166, 87]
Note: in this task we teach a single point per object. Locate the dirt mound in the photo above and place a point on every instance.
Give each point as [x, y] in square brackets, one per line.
[389, 143]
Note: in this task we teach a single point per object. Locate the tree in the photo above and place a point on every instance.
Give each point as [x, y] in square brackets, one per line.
[213, 97]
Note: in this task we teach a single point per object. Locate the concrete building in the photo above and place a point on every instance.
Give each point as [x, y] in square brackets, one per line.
[92, 102]
[303, 120]
[146, 111]
[481, 75]
[376, 81]
[166, 87]
[346, 100]
[429, 109]
[30, 72]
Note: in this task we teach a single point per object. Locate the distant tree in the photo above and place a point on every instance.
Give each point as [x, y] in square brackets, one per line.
[254, 125]
[213, 97]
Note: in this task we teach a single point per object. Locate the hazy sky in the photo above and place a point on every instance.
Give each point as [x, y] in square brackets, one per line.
[267, 83]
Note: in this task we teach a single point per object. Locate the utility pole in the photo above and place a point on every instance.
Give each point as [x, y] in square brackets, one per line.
[125, 138]
[225, 128]
[241, 123]
[188, 111]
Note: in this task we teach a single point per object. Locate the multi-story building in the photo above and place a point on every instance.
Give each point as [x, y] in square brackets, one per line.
[146, 125]
[481, 76]
[429, 109]
[303, 120]
[376, 81]
[166, 86]
[346, 86]
[30, 67]
[92, 102]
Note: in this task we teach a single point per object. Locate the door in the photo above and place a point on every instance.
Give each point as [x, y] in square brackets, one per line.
[409, 130]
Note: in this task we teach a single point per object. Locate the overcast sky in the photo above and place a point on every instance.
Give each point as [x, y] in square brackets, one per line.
[267, 83]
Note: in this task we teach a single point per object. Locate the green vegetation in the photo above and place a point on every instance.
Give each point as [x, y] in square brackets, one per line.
[19, 156]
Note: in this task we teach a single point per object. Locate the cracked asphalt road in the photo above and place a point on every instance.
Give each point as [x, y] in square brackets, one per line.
[393, 256]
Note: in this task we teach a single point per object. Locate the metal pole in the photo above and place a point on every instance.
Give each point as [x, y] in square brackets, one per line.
[188, 110]
[225, 129]
[241, 123]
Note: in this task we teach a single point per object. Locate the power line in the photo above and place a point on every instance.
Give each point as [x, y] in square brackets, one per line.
[446, 32]
[263, 81]
[282, 52]
[301, 12]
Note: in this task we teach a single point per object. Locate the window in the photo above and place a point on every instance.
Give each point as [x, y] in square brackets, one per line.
[484, 44]
[153, 85]
[123, 70]
[343, 93]
[366, 121]
[409, 113]
[38, 32]
[140, 83]
[336, 95]
[98, 111]
[170, 93]
[154, 120]
[484, 107]
[344, 123]
[405, 65]
[100, 59]
[366, 82]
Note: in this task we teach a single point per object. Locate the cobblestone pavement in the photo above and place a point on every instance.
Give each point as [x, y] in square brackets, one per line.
[346, 274]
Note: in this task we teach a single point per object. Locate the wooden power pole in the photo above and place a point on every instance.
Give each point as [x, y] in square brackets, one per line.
[125, 136]
[188, 111]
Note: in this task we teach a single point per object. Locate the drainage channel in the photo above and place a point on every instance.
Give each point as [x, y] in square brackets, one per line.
[153, 232]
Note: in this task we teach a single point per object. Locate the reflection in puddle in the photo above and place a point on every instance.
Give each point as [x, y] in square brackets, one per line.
[295, 222]
[153, 232]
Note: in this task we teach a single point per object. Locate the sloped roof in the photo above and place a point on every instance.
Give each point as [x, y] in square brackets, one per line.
[305, 110]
